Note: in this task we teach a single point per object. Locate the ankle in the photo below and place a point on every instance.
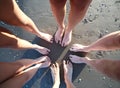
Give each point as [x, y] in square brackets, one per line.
[35, 46]
[40, 34]
[87, 49]
[87, 60]
[57, 82]
[68, 31]
[67, 79]
[93, 47]
[56, 85]
[61, 26]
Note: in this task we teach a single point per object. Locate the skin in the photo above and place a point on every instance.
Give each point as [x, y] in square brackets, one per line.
[15, 77]
[13, 15]
[68, 70]
[55, 71]
[108, 42]
[106, 66]
[77, 12]
[8, 40]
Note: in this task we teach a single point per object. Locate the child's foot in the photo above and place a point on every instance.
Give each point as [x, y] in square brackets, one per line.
[55, 71]
[79, 47]
[58, 35]
[66, 39]
[68, 70]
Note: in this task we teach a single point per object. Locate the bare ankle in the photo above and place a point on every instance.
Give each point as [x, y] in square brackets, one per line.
[56, 85]
[87, 49]
[67, 79]
[62, 26]
[68, 31]
[57, 82]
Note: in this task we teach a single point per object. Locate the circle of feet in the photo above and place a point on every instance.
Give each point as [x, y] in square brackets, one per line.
[59, 53]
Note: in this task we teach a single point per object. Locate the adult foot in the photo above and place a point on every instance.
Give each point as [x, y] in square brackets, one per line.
[58, 35]
[68, 70]
[41, 49]
[43, 61]
[46, 37]
[39, 63]
[55, 71]
[67, 38]
[79, 47]
[76, 59]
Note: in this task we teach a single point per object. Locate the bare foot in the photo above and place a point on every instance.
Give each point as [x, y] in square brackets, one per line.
[58, 35]
[67, 39]
[55, 71]
[79, 47]
[76, 59]
[46, 37]
[68, 70]
[40, 62]
[41, 49]
[43, 61]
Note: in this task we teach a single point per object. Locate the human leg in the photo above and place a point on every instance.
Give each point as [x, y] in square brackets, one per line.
[13, 15]
[108, 67]
[68, 70]
[58, 7]
[9, 69]
[9, 40]
[29, 62]
[77, 12]
[55, 71]
[21, 78]
[101, 44]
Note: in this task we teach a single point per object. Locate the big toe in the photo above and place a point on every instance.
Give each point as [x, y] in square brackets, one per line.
[65, 41]
[70, 65]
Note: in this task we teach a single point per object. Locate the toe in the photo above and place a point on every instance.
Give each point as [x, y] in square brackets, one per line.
[57, 65]
[66, 44]
[64, 62]
[51, 40]
[59, 41]
[62, 44]
[70, 64]
[55, 38]
[51, 67]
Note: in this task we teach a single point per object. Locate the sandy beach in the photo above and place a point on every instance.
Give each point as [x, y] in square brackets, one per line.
[102, 17]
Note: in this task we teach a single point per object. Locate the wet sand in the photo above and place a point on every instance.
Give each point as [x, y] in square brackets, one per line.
[103, 17]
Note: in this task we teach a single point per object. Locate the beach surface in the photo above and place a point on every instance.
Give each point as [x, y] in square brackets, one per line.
[102, 17]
